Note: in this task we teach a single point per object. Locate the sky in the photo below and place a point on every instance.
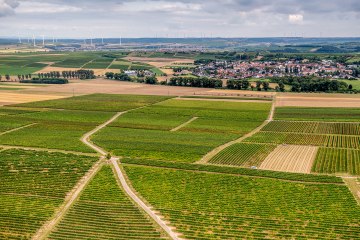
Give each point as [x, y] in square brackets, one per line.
[179, 18]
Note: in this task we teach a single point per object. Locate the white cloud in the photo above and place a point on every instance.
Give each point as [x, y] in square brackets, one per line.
[40, 7]
[158, 6]
[296, 18]
[7, 7]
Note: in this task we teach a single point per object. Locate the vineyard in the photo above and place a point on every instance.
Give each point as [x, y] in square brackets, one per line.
[103, 211]
[313, 127]
[145, 133]
[219, 206]
[318, 114]
[33, 185]
[332, 160]
[243, 154]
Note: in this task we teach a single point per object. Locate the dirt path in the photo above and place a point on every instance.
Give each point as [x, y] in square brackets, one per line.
[183, 125]
[138, 201]
[16, 129]
[6, 147]
[86, 139]
[215, 151]
[353, 183]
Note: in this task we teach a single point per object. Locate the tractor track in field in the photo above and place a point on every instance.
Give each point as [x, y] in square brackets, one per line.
[16, 129]
[215, 151]
[72, 196]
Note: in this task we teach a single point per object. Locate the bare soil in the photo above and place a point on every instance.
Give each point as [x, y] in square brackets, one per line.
[7, 98]
[290, 158]
[318, 100]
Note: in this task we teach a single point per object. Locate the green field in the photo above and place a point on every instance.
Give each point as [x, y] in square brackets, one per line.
[145, 132]
[103, 211]
[220, 206]
[98, 102]
[318, 114]
[99, 63]
[243, 154]
[335, 160]
[33, 185]
[57, 128]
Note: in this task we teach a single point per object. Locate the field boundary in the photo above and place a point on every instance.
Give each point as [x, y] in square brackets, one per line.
[354, 186]
[184, 124]
[215, 151]
[7, 147]
[16, 129]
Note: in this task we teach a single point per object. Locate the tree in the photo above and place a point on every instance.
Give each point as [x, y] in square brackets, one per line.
[350, 86]
[258, 85]
[7, 77]
[109, 75]
[281, 87]
[266, 85]
[151, 80]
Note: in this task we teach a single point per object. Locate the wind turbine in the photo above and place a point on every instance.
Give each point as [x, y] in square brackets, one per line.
[34, 41]
[102, 41]
[19, 39]
[43, 36]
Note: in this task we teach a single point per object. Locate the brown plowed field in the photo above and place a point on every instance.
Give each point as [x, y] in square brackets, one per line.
[290, 158]
[317, 100]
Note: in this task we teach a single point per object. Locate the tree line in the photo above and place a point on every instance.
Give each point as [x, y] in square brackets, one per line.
[195, 82]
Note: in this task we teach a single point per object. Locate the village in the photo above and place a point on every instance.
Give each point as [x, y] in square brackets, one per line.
[257, 69]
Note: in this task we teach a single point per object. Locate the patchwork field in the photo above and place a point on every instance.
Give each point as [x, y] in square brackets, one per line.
[145, 132]
[258, 188]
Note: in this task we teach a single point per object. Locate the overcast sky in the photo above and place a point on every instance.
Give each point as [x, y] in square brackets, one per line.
[179, 18]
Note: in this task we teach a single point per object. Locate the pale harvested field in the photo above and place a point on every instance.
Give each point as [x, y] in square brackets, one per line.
[7, 98]
[159, 62]
[55, 69]
[221, 100]
[79, 87]
[290, 158]
[318, 100]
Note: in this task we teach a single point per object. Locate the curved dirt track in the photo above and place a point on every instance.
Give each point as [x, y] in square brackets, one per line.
[86, 140]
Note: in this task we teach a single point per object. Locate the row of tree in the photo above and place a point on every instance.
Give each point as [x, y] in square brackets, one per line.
[195, 82]
[127, 78]
[6, 77]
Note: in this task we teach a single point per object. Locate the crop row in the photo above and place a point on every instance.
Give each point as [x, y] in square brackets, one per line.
[105, 212]
[318, 114]
[338, 141]
[236, 171]
[332, 160]
[216, 206]
[313, 127]
[33, 185]
[243, 154]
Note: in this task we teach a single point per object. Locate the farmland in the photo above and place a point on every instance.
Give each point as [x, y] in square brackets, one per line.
[243, 154]
[335, 160]
[255, 188]
[220, 206]
[318, 114]
[30, 189]
[146, 132]
[103, 211]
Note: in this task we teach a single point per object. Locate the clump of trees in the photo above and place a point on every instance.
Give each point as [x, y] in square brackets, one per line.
[195, 82]
[118, 76]
[238, 84]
